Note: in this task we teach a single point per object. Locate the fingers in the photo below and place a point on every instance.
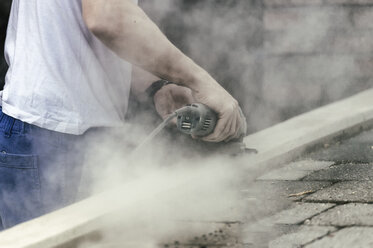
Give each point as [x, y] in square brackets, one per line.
[224, 128]
[228, 129]
[234, 130]
[219, 133]
[241, 126]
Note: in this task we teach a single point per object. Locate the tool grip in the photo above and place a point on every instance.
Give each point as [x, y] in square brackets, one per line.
[196, 119]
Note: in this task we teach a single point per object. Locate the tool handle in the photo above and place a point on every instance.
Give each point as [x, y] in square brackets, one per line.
[196, 119]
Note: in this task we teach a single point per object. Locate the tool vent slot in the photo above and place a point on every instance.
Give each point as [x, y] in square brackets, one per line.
[186, 125]
[206, 124]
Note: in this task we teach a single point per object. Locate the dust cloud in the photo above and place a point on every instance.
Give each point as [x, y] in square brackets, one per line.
[278, 58]
[278, 62]
[176, 194]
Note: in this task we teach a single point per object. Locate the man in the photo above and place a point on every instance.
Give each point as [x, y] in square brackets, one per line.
[69, 76]
[4, 16]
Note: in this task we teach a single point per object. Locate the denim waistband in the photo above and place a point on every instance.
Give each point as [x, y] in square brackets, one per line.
[11, 125]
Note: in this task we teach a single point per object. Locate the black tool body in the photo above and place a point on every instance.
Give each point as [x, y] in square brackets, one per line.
[196, 119]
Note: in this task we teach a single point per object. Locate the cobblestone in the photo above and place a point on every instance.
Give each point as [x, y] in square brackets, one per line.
[296, 170]
[276, 190]
[259, 235]
[346, 152]
[351, 191]
[304, 235]
[346, 215]
[344, 172]
[353, 237]
[297, 214]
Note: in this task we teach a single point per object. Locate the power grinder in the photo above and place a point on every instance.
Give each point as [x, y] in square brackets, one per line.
[199, 120]
[196, 119]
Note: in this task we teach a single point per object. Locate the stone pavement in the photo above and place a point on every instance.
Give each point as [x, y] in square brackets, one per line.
[322, 200]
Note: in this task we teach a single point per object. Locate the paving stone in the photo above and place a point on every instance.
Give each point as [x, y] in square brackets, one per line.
[346, 152]
[259, 236]
[304, 235]
[355, 149]
[344, 192]
[277, 190]
[266, 198]
[352, 214]
[352, 237]
[343, 172]
[297, 214]
[365, 137]
[296, 170]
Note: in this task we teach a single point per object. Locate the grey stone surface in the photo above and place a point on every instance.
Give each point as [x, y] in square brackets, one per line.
[260, 233]
[350, 191]
[282, 190]
[343, 172]
[296, 170]
[266, 198]
[346, 152]
[296, 215]
[258, 236]
[355, 149]
[353, 237]
[304, 235]
[365, 137]
[353, 214]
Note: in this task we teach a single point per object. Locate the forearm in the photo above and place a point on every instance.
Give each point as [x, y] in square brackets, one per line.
[127, 30]
[141, 80]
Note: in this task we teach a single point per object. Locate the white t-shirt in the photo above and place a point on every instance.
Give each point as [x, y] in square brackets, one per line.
[60, 76]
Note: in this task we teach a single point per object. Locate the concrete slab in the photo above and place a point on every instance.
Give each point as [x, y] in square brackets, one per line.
[304, 235]
[296, 170]
[353, 237]
[343, 172]
[344, 192]
[353, 214]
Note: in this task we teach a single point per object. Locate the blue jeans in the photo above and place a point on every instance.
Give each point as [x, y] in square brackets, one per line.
[40, 170]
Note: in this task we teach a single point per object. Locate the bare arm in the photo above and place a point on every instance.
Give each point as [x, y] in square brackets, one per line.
[141, 80]
[127, 30]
